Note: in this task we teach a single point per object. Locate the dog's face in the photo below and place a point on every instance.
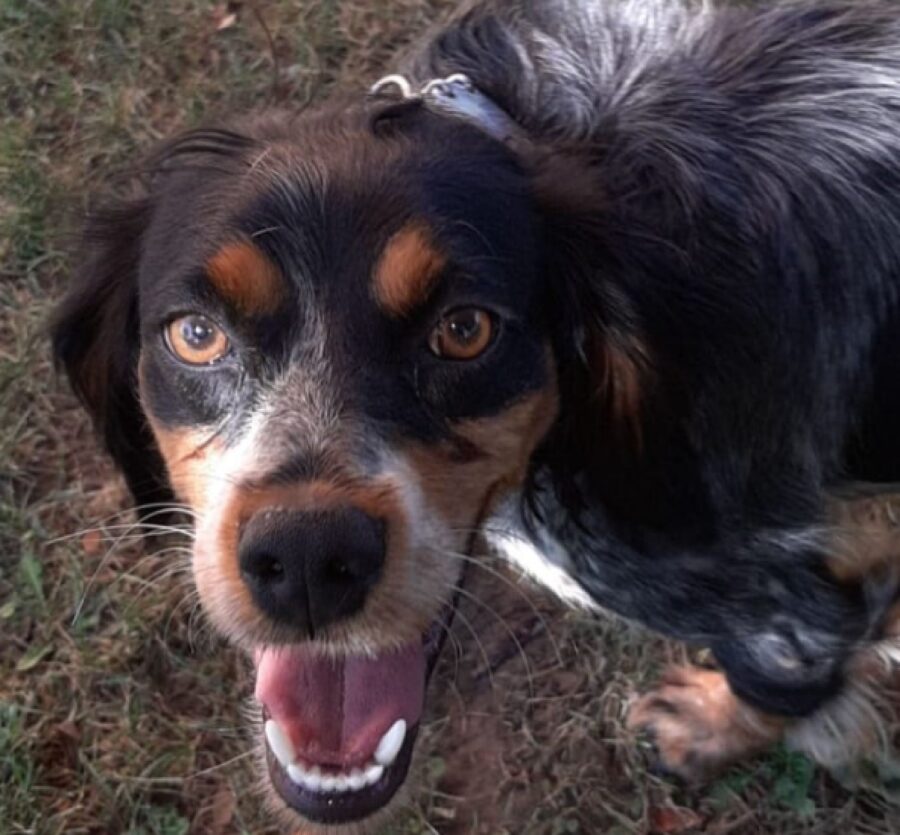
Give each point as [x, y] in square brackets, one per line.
[345, 360]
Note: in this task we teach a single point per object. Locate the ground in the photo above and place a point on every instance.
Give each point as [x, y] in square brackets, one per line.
[119, 712]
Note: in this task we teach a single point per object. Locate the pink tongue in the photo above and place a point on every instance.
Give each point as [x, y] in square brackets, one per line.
[336, 710]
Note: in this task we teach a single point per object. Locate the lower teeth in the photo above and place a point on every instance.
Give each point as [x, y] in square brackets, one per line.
[314, 780]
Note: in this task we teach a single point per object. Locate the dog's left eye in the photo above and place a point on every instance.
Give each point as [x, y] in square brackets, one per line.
[196, 340]
[462, 334]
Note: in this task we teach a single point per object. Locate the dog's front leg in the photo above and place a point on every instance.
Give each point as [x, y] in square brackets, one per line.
[781, 625]
[699, 727]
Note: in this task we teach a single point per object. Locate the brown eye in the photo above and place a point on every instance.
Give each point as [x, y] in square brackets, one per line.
[196, 340]
[462, 334]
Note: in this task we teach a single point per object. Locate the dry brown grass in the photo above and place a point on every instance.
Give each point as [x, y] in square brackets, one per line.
[119, 713]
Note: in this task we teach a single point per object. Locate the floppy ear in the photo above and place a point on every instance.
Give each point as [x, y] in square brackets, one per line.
[604, 362]
[95, 335]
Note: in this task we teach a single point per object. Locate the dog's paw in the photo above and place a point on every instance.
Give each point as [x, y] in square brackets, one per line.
[698, 726]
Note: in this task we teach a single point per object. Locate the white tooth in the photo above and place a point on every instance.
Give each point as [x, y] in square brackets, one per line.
[280, 743]
[328, 783]
[297, 773]
[356, 780]
[313, 779]
[373, 774]
[341, 783]
[391, 743]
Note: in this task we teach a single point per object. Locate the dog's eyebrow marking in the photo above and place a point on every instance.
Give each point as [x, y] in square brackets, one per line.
[407, 269]
[246, 278]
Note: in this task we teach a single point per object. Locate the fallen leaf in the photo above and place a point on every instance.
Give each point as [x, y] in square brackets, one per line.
[224, 16]
[224, 805]
[671, 820]
[68, 729]
[91, 542]
[226, 22]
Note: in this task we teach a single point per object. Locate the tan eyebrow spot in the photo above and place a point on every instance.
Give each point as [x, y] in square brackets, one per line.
[244, 276]
[407, 269]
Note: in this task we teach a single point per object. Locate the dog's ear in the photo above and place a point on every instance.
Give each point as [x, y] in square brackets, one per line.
[95, 337]
[604, 362]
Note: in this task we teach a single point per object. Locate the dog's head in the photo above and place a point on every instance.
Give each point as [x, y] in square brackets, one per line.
[344, 337]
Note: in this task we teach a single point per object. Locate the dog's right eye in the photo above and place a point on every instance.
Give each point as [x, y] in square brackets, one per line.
[462, 334]
[196, 340]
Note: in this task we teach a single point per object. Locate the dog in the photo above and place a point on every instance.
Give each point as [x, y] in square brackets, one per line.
[615, 284]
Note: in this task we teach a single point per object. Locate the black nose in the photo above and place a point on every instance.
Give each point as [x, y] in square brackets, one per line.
[310, 569]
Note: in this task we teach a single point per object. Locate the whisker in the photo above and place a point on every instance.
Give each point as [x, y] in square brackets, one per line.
[165, 506]
[481, 648]
[131, 536]
[514, 586]
[509, 630]
[142, 524]
[90, 584]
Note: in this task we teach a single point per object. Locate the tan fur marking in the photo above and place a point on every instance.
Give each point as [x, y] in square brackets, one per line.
[244, 276]
[892, 623]
[618, 367]
[869, 535]
[187, 453]
[377, 500]
[407, 269]
[190, 457]
[457, 490]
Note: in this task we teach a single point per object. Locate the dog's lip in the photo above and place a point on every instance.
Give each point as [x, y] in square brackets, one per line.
[353, 806]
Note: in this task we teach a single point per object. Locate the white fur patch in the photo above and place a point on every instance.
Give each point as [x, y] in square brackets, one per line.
[544, 559]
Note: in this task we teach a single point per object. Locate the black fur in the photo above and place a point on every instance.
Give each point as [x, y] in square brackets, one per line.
[94, 340]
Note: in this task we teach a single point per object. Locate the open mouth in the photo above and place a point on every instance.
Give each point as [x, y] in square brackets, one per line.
[340, 732]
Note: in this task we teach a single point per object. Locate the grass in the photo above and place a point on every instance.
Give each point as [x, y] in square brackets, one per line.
[119, 713]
